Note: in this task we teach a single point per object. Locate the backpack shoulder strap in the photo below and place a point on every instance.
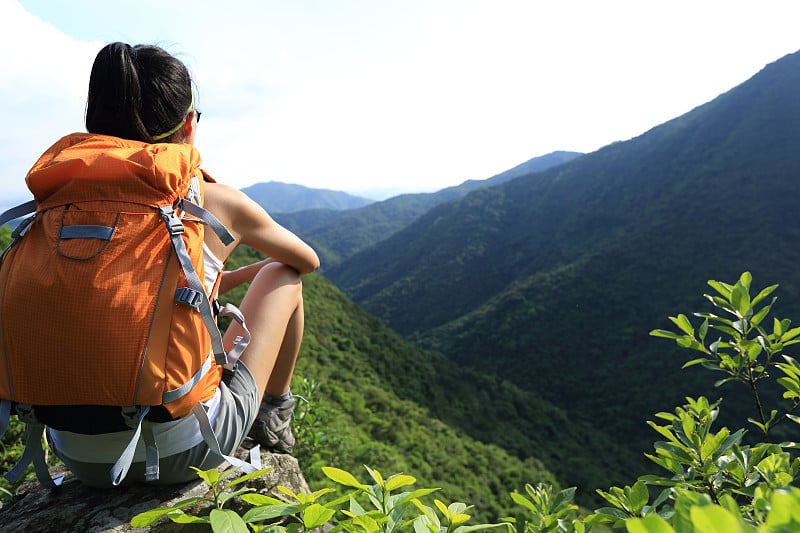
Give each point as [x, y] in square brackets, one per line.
[18, 211]
[202, 303]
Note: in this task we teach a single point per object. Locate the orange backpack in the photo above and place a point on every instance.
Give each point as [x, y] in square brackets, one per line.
[102, 299]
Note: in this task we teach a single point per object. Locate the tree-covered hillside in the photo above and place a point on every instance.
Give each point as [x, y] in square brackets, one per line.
[554, 280]
[389, 404]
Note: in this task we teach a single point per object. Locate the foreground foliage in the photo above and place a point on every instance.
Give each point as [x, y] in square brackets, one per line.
[713, 482]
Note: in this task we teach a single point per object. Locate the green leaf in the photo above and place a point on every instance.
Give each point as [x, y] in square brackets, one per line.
[665, 334]
[694, 362]
[639, 496]
[376, 476]
[648, 524]
[209, 476]
[722, 304]
[479, 527]
[418, 493]
[148, 517]
[678, 453]
[764, 293]
[342, 477]
[400, 480]
[227, 521]
[564, 497]
[683, 323]
[261, 500]
[316, 516]
[179, 517]
[248, 477]
[442, 507]
[268, 512]
[519, 499]
[789, 335]
[225, 496]
[701, 333]
[713, 519]
[722, 288]
[761, 314]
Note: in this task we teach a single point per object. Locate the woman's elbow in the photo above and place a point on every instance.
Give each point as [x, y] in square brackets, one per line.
[312, 265]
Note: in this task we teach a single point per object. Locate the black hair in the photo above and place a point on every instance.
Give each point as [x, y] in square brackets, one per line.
[137, 92]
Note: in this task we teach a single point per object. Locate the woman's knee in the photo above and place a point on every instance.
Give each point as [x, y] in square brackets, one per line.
[278, 274]
[275, 280]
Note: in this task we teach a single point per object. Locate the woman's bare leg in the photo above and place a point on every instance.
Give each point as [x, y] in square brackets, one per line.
[273, 311]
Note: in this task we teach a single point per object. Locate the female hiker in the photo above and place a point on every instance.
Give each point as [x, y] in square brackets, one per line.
[141, 96]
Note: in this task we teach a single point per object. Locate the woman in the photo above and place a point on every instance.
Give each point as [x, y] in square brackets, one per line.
[142, 93]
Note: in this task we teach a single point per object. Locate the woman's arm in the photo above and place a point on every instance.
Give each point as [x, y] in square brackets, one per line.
[233, 278]
[251, 225]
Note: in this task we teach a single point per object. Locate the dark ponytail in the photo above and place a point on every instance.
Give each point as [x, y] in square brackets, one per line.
[137, 93]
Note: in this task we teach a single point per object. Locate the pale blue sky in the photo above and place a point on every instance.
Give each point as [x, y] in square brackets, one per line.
[412, 94]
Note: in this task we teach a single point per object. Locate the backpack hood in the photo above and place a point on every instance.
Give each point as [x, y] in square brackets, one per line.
[151, 174]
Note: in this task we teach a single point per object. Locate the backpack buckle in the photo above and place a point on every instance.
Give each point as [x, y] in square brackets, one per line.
[190, 297]
[173, 222]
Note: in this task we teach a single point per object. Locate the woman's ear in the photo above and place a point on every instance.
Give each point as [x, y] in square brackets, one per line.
[189, 128]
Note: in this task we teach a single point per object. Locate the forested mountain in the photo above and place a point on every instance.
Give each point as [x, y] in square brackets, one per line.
[553, 280]
[401, 409]
[338, 235]
[277, 197]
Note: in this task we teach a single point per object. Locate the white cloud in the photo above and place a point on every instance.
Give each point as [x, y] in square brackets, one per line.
[42, 90]
[421, 93]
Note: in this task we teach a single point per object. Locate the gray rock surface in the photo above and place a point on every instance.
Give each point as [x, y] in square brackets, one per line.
[74, 507]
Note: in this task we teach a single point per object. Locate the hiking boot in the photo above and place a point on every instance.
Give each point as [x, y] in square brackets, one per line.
[272, 428]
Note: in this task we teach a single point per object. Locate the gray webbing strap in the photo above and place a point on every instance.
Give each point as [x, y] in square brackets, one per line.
[5, 416]
[209, 219]
[123, 464]
[33, 453]
[241, 342]
[18, 211]
[213, 444]
[151, 452]
[174, 394]
[175, 228]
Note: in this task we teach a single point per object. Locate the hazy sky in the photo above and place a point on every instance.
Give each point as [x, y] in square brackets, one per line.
[414, 94]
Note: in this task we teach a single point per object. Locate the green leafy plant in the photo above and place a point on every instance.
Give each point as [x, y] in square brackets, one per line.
[714, 477]
[546, 512]
[219, 519]
[304, 510]
[743, 349]
[365, 508]
[391, 511]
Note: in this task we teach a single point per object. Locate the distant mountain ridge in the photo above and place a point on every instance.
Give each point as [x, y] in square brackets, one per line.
[278, 197]
[553, 280]
[339, 235]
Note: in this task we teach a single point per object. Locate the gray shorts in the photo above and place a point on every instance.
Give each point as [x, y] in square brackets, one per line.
[237, 410]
